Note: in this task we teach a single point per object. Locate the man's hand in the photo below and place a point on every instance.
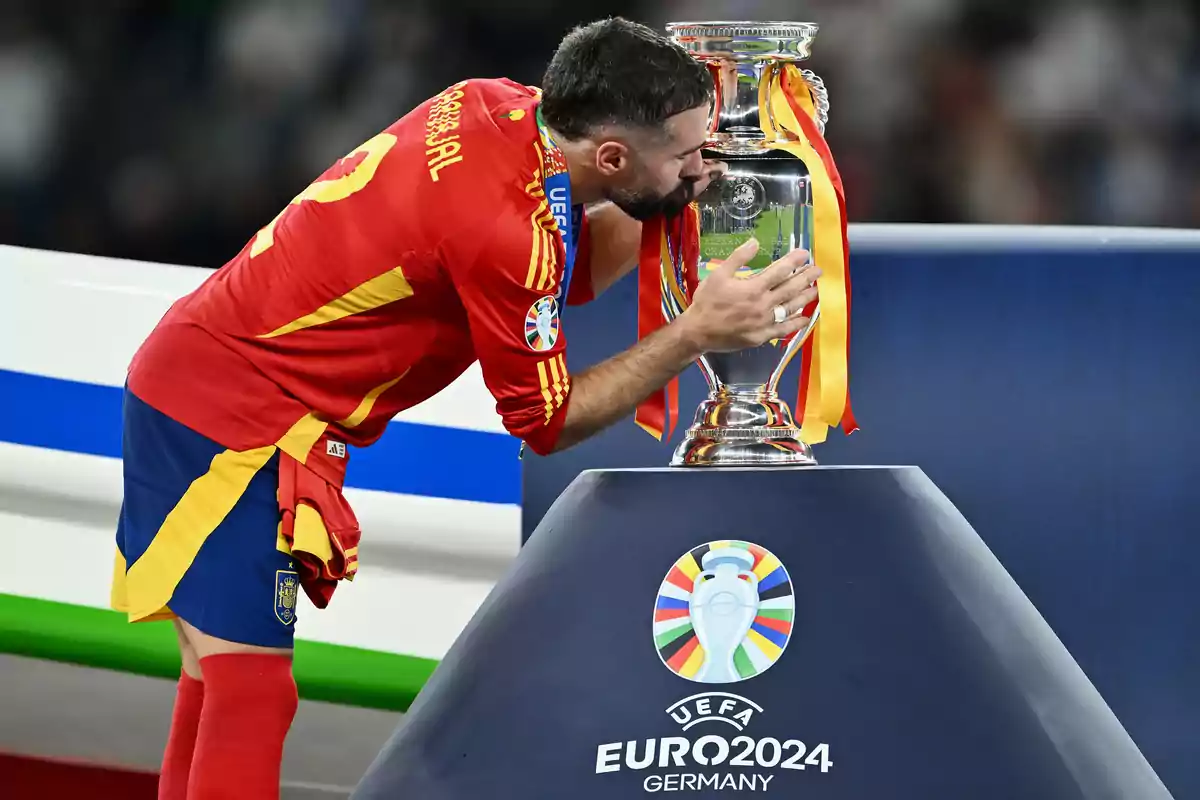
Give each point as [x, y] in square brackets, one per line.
[732, 313]
[727, 313]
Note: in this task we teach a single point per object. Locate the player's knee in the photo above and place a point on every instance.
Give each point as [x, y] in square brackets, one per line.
[191, 663]
[249, 704]
[187, 653]
[203, 644]
[255, 687]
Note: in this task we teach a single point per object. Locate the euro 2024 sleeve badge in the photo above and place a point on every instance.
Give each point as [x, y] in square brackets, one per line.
[542, 324]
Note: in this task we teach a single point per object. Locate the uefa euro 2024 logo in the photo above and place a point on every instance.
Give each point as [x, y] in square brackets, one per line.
[724, 613]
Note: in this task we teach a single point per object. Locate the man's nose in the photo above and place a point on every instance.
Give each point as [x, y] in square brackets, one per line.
[693, 167]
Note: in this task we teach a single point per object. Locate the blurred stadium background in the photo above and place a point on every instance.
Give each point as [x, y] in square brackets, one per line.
[168, 130]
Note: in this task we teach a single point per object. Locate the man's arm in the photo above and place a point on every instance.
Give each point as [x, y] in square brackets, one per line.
[522, 353]
[508, 291]
[549, 409]
[727, 313]
[607, 392]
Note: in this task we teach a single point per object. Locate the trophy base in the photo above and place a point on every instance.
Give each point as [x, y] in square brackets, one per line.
[736, 430]
[713, 449]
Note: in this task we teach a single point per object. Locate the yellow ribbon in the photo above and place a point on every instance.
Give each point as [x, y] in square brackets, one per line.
[827, 398]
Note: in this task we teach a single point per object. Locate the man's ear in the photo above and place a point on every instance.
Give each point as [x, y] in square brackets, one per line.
[611, 158]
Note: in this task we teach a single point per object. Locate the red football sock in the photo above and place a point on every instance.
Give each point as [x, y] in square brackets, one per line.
[177, 758]
[249, 702]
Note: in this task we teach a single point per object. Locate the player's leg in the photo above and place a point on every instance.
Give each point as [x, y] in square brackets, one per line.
[198, 541]
[187, 653]
[236, 607]
[185, 722]
[142, 512]
[249, 703]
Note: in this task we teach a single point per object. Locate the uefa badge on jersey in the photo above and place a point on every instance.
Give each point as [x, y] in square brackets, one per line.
[541, 324]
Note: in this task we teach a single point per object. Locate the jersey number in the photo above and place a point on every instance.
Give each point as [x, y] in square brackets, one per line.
[333, 189]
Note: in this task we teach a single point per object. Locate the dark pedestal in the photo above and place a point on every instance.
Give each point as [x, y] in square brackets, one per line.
[889, 656]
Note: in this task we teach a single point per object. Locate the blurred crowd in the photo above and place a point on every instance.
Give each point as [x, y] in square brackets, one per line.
[170, 130]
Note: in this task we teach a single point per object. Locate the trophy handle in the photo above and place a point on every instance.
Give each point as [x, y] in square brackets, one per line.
[793, 347]
[771, 78]
[822, 97]
[677, 296]
[672, 307]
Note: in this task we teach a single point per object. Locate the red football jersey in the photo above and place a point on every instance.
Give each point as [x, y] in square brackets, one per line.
[429, 246]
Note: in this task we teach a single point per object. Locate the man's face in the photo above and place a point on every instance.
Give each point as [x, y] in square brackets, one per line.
[663, 170]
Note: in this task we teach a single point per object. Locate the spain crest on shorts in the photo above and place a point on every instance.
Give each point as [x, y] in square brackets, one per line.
[287, 586]
[541, 324]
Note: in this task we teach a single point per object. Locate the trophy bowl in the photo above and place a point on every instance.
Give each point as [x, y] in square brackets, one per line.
[767, 194]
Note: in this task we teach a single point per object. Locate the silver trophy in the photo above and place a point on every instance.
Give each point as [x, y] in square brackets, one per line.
[766, 193]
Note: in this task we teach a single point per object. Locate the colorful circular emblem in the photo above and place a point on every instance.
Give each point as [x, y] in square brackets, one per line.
[541, 324]
[724, 613]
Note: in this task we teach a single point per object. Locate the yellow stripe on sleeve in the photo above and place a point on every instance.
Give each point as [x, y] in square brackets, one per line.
[544, 382]
[554, 383]
[533, 189]
[548, 262]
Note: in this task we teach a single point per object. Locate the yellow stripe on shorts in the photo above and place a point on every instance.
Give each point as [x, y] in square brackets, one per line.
[151, 580]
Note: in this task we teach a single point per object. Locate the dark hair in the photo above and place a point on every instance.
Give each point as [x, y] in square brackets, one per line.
[619, 72]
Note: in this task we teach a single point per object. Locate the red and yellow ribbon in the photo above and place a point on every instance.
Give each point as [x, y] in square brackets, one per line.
[787, 105]
[787, 113]
[656, 277]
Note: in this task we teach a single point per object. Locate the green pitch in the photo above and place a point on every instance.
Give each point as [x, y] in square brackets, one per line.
[773, 228]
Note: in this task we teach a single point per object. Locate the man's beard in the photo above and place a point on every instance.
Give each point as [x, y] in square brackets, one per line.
[646, 204]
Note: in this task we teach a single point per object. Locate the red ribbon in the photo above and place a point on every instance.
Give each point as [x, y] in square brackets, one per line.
[651, 412]
[792, 77]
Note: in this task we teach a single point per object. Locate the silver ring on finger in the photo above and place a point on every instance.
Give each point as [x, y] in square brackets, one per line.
[781, 315]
